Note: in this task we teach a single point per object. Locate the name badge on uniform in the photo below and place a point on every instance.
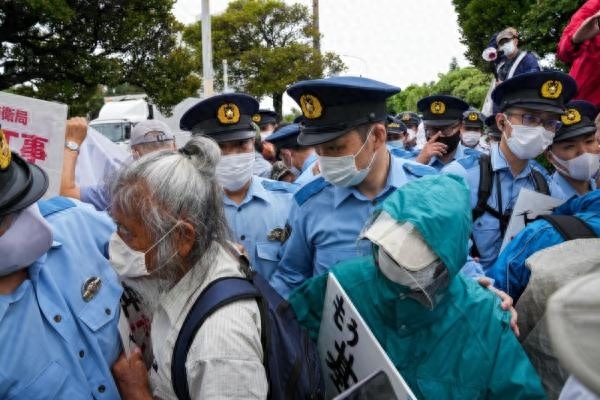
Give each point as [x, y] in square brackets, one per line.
[280, 234]
[90, 288]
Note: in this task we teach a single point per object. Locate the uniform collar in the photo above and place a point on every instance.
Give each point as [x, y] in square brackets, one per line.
[499, 161]
[308, 162]
[255, 189]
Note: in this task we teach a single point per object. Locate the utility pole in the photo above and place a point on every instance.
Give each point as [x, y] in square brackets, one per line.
[207, 65]
[317, 36]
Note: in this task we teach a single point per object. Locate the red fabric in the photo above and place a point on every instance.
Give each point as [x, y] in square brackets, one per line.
[585, 61]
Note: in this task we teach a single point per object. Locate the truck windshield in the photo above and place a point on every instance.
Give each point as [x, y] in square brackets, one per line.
[115, 131]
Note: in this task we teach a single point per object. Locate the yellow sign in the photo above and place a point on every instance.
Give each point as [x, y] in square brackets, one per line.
[311, 106]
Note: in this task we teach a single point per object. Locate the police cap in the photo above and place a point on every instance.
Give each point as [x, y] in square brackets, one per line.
[577, 120]
[492, 130]
[223, 117]
[409, 118]
[473, 119]
[334, 106]
[395, 125]
[286, 137]
[441, 110]
[265, 117]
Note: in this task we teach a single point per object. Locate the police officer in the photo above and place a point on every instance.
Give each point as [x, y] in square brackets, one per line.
[344, 119]
[412, 122]
[471, 131]
[574, 152]
[397, 136]
[256, 208]
[442, 117]
[267, 121]
[530, 109]
[300, 159]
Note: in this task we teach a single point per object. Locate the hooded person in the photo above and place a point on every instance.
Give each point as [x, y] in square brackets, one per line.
[445, 334]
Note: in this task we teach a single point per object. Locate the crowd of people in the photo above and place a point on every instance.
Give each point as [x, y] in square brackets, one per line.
[407, 211]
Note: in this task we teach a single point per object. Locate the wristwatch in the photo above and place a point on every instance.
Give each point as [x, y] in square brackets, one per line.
[73, 146]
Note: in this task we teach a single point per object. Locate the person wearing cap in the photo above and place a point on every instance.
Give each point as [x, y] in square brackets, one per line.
[344, 119]
[492, 133]
[574, 152]
[267, 121]
[412, 122]
[256, 208]
[280, 172]
[514, 61]
[445, 334]
[146, 137]
[442, 116]
[397, 136]
[301, 160]
[59, 297]
[471, 131]
[530, 107]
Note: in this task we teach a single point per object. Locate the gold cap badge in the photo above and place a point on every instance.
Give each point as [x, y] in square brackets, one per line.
[438, 107]
[551, 89]
[5, 154]
[256, 118]
[473, 116]
[228, 114]
[570, 117]
[405, 117]
[393, 125]
[311, 106]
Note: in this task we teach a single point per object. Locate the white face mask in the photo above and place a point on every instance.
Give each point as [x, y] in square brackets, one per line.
[470, 138]
[418, 280]
[508, 48]
[129, 263]
[341, 171]
[412, 133]
[27, 225]
[235, 170]
[399, 144]
[582, 168]
[527, 142]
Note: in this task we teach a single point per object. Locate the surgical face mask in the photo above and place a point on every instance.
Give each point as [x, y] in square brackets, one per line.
[28, 238]
[235, 170]
[508, 48]
[471, 138]
[582, 168]
[399, 144]
[418, 280]
[412, 133]
[129, 263]
[341, 171]
[450, 141]
[527, 142]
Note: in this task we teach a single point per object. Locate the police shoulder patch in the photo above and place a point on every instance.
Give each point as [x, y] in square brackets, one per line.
[419, 170]
[401, 153]
[279, 186]
[310, 189]
[470, 161]
[55, 204]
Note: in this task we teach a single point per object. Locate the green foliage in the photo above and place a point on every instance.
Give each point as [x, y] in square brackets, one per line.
[62, 50]
[267, 44]
[540, 24]
[469, 84]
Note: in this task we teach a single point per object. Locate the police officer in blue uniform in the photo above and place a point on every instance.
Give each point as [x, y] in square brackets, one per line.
[471, 131]
[530, 109]
[59, 296]
[574, 152]
[344, 119]
[300, 159]
[397, 136]
[412, 121]
[442, 117]
[256, 208]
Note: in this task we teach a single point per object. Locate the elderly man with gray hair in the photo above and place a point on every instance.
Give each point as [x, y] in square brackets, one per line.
[171, 243]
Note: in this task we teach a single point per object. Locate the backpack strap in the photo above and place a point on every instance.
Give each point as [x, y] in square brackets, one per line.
[540, 182]
[570, 226]
[485, 185]
[218, 293]
[515, 65]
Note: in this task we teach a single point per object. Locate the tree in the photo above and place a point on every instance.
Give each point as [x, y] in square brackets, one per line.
[267, 44]
[540, 24]
[62, 50]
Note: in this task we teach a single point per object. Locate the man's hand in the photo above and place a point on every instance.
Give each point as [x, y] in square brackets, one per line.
[131, 376]
[588, 29]
[432, 148]
[507, 303]
[76, 130]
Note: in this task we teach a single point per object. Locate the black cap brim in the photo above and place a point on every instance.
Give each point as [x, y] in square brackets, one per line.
[29, 184]
[231, 136]
[440, 122]
[312, 139]
[575, 132]
[537, 106]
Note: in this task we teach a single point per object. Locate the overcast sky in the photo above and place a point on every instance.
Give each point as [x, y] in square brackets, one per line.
[399, 42]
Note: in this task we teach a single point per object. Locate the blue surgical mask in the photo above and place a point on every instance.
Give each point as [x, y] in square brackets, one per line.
[398, 144]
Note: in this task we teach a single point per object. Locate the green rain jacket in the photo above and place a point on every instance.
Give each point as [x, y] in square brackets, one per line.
[461, 349]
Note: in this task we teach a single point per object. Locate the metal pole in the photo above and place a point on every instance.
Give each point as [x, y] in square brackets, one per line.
[207, 65]
[225, 78]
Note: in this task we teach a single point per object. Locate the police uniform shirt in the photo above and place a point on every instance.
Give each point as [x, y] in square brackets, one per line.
[258, 222]
[325, 222]
[486, 229]
[562, 189]
[461, 152]
[307, 173]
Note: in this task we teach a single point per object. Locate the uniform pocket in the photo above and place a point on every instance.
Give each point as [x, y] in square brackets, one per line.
[49, 384]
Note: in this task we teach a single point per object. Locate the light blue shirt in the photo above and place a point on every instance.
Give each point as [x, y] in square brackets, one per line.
[306, 174]
[562, 189]
[263, 211]
[461, 152]
[54, 343]
[97, 196]
[486, 229]
[325, 222]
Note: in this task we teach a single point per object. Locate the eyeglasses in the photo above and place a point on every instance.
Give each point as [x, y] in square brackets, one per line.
[446, 130]
[533, 120]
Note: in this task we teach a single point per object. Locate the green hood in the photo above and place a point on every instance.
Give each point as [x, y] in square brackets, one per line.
[439, 207]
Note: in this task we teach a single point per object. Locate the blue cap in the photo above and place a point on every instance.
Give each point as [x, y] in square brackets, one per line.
[541, 90]
[492, 130]
[394, 125]
[333, 106]
[223, 117]
[473, 119]
[409, 118]
[578, 120]
[265, 117]
[285, 137]
[440, 109]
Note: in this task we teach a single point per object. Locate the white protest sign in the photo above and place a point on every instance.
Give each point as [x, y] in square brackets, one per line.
[35, 129]
[528, 206]
[348, 350]
[99, 159]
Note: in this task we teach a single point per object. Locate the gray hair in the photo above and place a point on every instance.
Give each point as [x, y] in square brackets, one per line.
[164, 188]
